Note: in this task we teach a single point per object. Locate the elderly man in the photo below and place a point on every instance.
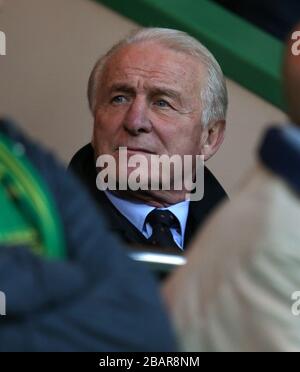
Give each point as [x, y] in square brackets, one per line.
[158, 92]
[241, 288]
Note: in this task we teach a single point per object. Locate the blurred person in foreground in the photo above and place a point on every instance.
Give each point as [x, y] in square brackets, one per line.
[240, 289]
[91, 297]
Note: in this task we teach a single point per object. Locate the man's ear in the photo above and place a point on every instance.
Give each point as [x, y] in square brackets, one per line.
[213, 137]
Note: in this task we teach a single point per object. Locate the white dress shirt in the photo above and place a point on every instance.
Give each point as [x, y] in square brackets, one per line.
[137, 213]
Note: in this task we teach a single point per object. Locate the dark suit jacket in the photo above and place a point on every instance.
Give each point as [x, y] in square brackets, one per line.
[83, 165]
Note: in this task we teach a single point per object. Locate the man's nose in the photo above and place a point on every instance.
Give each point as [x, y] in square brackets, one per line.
[136, 120]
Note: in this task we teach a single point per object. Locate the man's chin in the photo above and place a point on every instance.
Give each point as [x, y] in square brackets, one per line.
[134, 179]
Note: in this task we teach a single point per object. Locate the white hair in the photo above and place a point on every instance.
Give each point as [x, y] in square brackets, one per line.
[214, 96]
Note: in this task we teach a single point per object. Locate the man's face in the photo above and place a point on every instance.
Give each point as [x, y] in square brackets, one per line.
[149, 101]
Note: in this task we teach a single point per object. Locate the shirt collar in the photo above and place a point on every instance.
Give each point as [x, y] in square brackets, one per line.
[137, 212]
[181, 211]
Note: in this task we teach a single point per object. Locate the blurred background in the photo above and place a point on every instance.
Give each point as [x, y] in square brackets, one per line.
[52, 46]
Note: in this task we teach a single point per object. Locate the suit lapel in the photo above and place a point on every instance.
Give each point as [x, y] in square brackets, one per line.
[118, 223]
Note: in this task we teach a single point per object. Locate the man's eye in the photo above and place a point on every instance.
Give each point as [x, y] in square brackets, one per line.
[119, 99]
[162, 103]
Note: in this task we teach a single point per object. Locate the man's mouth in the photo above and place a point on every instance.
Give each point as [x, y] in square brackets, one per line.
[136, 149]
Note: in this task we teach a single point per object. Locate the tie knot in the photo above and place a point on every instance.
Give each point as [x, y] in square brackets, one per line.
[162, 218]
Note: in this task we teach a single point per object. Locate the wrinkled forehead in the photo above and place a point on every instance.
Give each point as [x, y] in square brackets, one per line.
[155, 63]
